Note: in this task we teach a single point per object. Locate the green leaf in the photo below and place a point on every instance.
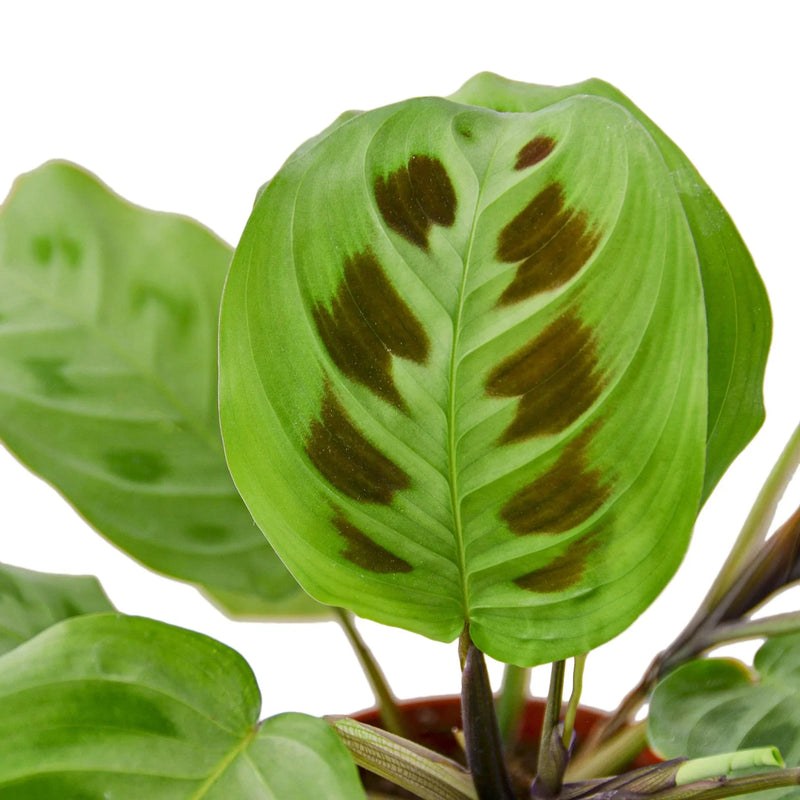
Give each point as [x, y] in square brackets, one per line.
[475, 346]
[108, 382]
[108, 705]
[737, 307]
[32, 601]
[711, 706]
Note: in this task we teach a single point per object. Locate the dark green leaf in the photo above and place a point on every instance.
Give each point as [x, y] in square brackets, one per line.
[108, 382]
[112, 706]
[32, 601]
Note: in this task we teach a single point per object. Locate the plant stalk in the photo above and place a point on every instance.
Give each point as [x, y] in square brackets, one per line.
[552, 759]
[776, 625]
[755, 529]
[731, 787]
[481, 735]
[579, 663]
[609, 757]
[390, 714]
[510, 703]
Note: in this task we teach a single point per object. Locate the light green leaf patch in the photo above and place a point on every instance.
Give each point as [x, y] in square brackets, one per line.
[475, 347]
[32, 601]
[113, 706]
[108, 382]
[715, 705]
[737, 308]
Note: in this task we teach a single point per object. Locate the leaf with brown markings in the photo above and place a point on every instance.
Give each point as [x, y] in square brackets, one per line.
[108, 383]
[464, 373]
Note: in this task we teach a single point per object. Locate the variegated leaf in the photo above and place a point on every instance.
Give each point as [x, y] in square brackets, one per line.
[464, 371]
[108, 383]
[737, 308]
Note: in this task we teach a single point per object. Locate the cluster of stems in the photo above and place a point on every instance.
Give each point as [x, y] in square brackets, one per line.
[755, 571]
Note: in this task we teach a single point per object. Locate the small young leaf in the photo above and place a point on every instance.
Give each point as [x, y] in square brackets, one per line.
[108, 382]
[113, 706]
[32, 601]
[712, 706]
[475, 346]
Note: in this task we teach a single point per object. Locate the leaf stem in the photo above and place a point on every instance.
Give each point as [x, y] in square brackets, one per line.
[579, 663]
[609, 757]
[481, 734]
[552, 712]
[730, 787]
[756, 526]
[387, 703]
[776, 625]
[510, 703]
[552, 758]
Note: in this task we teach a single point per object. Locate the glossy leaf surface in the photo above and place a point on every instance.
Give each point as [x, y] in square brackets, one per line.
[108, 382]
[113, 706]
[717, 705]
[737, 308]
[32, 601]
[474, 345]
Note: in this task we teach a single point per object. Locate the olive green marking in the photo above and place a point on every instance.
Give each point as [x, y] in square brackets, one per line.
[414, 198]
[367, 324]
[536, 150]
[144, 295]
[49, 374]
[556, 377]
[364, 552]
[137, 466]
[565, 496]
[562, 572]
[44, 249]
[348, 460]
[209, 534]
[551, 241]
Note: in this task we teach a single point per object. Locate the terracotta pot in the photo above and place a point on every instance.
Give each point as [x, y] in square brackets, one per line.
[431, 721]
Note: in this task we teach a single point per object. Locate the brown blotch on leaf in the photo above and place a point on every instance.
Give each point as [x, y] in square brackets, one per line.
[366, 553]
[414, 198]
[551, 241]
[565, 496]
[556, 377]
[562, 572]
[536, 150]
[367, 324]
[348, 460]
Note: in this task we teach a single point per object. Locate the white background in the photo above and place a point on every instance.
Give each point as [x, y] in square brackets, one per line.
[190, 107]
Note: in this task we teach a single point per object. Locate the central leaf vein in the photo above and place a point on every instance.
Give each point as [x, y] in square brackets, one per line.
[452, 459]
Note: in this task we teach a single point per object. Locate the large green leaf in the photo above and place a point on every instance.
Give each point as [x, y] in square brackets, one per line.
[474, 345]
[32, 601]
[113, 706]
[108, 382]
[718, 705]
[737, 307]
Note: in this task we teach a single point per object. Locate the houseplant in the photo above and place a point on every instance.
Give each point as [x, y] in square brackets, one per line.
[512, 454]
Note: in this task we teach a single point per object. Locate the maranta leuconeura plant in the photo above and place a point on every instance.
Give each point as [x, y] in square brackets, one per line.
[482, 360]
